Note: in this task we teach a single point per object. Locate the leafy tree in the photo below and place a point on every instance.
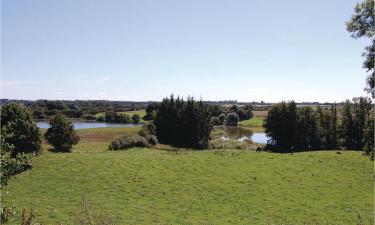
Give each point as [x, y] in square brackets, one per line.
[232, 119]
[244, 114]
[356, 123]
[10, 165]
[222, 117]
[61, 134]
[362, 25]
[215, 121]
[327, 121]
[369, 138]
[308, 131]
[19, 121]
[347, 126]
[136, 118]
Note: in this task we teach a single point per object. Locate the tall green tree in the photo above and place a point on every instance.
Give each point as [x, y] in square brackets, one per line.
[26, 136]
[308, 132]
[360, 25]
[183, 123]
[61, 134]
[281, 126]
[347, 126]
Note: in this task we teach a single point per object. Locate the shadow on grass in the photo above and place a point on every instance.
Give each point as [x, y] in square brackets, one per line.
[57, 151]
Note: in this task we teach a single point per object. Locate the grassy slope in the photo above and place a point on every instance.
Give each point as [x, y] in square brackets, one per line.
[145, 186]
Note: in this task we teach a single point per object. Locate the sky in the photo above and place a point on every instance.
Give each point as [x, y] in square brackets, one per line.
[137, 50]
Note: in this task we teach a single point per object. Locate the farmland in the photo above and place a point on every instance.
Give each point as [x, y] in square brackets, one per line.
[149, 186]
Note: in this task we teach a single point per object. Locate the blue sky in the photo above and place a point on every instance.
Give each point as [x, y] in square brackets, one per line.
[248, 50]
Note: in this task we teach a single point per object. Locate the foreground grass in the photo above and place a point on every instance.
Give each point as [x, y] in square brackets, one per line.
[148, 186]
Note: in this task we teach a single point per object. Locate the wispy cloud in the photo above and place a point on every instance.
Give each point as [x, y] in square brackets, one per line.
[102, 79]
[13, 83]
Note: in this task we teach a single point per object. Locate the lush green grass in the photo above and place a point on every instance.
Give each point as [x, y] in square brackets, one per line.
[147, 186]
[255, 123]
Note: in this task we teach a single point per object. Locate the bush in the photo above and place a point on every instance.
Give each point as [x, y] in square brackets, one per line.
[136, 118]
[100, 119]
[222, 118]
[114, 117]
[19, 121]
[148, 129]
[232, 119]
[61, 134]
[127, 142]
[11, 165]
[89, 117]
[244, 114]
[152, 139]
[215, 121]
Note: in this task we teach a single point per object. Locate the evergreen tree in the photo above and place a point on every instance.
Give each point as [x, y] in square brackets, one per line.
[61, 134]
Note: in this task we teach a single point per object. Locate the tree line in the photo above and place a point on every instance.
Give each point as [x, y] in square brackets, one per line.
[291, 128]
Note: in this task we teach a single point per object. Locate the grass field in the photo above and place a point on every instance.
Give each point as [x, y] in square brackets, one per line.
[149, 186]
[255, 123]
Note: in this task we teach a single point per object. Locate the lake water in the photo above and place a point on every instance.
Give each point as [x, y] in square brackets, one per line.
[88, 124]
[243, 134]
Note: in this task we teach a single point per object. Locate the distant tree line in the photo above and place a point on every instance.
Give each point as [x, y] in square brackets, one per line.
[293, 128]
[220, 115]
[45, 109]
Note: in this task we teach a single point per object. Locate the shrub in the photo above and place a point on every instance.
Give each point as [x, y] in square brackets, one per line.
[232, 119]
[114, 117]
[222, 118]
[89, 117]
[100, 119]
[215, 121]
[61, 134]
[244, 114]
[136, 118]
[19, 121]
[11, 165]
[152, 139]
[127, 142]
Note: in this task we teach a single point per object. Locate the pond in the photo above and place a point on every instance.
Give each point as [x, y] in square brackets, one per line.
[89, 124]
[242, 134]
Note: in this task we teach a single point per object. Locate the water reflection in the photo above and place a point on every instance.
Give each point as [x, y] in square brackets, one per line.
[241, 134]
[88, 124]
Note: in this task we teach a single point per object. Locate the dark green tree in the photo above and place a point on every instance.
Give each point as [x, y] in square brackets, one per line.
[281, 127]
[232, 119]
[183, 123]
[347, 126]
[136, 118]
[19, 121]
[308, 131]
[61, 134]
[222, 117]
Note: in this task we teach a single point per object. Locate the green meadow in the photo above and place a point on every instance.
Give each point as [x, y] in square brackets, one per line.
[150, 186]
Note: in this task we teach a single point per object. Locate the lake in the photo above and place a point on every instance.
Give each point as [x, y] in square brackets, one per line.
[89, 124]
[242, 134]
